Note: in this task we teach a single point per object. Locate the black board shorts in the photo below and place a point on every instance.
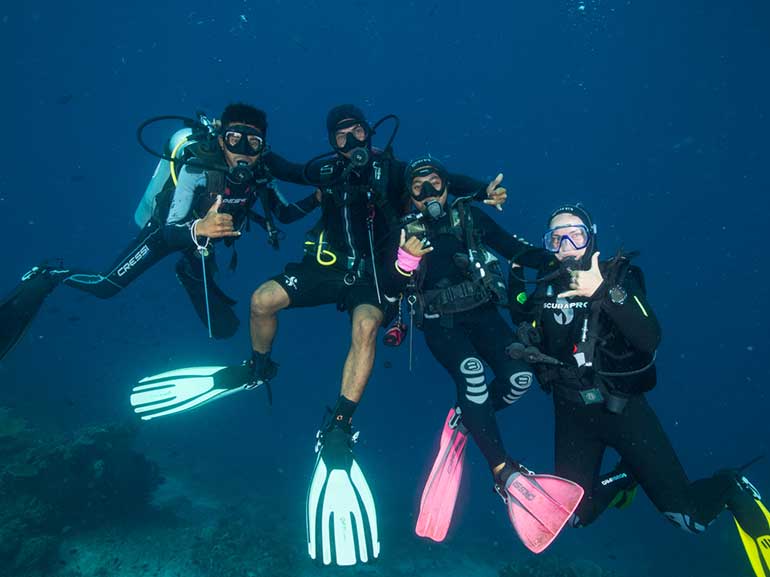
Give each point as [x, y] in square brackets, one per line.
[310, 284]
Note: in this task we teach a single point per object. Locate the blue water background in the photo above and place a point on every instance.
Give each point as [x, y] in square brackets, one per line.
[655, 114]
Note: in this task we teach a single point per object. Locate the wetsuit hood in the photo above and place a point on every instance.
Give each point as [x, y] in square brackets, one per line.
[580, 211]
[336, 119]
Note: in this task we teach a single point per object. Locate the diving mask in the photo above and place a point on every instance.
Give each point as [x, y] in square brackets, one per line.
[575, 235]
[244, 140]
[347, 140]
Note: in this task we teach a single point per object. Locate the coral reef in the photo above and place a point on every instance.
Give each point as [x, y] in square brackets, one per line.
[238, 545]
[52, 486]
[554, 567]
[10, 426]
[13, 433]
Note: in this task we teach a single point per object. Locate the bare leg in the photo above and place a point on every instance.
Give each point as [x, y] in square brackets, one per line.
[266, 301]
[358, 365]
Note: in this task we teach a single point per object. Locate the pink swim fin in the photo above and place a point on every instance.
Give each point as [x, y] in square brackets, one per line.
[440, 493]
[539, 506]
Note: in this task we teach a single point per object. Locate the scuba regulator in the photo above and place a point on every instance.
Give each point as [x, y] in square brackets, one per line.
[204, 133]
[202, 139]
[360, 154]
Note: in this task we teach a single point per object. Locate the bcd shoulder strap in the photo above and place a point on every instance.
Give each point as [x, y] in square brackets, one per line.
[215, 183]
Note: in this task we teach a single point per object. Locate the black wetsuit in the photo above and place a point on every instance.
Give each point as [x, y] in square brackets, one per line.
[169, 231]
[465, 340]
[625, 336]
[368, 198]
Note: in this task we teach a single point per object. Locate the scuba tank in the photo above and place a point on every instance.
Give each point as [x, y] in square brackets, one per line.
[196, 140]
[177, 145]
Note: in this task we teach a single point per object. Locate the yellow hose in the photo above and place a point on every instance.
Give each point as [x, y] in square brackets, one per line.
[173, 157]
[322, 251]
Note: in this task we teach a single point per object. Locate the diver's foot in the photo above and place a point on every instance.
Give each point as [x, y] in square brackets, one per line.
[19, 308]
[263, 370]
[502, 475]
[752, 519]
[747, 487]
[341, 513]
[53, 273]
[337, 439]
[622, 482]
[539, 506]
[745, 503]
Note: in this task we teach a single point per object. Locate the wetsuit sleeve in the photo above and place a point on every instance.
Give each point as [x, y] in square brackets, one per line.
[634, 318]
[510, 246]
[283, 169]
[176, 229]
[184, 193]
[288, 212]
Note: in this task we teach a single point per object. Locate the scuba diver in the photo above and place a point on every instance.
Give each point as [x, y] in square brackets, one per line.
[591, 335]
[453, 285]
[223, 174]
[362, 197]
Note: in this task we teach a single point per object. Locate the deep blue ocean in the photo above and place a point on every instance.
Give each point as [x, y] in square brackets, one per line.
[654, 114]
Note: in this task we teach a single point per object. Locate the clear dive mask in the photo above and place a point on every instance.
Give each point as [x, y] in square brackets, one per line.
[347, 140]
[577, 236]
[244, 140]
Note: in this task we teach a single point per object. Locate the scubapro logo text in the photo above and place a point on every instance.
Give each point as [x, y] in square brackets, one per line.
[565, 305]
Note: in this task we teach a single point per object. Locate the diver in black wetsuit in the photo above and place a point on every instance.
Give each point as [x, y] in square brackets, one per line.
[362, 197]
[207, 204]
[453, 285]
[594, 347]
[445, 266]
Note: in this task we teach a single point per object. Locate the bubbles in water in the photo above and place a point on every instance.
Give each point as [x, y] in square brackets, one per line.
[590, 15]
